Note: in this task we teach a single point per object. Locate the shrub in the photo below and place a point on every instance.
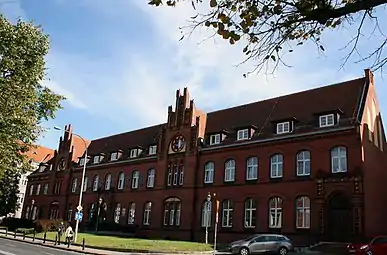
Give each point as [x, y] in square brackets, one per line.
[26, 231]
[48, 225]
[15, 223]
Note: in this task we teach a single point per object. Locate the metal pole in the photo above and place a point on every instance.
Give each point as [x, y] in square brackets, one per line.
[81, 192]
[216, 231]
[207, 221]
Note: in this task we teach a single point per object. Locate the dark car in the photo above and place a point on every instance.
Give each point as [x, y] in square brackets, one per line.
[377, 246]
[262, 243]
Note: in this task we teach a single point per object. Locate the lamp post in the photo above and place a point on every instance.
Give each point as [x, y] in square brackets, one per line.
[79, 207]
[208, 213]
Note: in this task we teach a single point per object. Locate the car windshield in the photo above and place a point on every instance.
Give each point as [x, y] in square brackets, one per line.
[250, 237]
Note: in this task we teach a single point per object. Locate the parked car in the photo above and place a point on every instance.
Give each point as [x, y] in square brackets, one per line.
[262, 243]
[377, 246]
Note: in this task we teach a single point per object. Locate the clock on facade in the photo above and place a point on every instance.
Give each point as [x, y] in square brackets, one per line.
[178, 143]
[62, 165]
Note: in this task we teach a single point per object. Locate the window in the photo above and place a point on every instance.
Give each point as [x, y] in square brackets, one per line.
[31, 190]
[181, 176]
[96, 159]
[81, 161]
[86, 180]
[96, 183]
[339, 159]
[108, 181]
[135, 179]
[175, 174]
[121, 181]
[169, 177]
[117, 213]
[34, 213]
[147, 213]
[206, 213]
[70, 213]
[27, 212]
[42, 168]
[133, 153]
[229, 171]
[151, 178]
[250, 213]
[303, 163]
[152, 149]
[132, 213]
[283, 127]
[327, 120]
[215, 139]
[209, 169]
[113, 156]
[303, 212]
[74, 185]
[227, 210]
[45, 189]
[38, 189]
[275, 212]
[172, 212]
[243, 134]
[252, 168]
[276, 164]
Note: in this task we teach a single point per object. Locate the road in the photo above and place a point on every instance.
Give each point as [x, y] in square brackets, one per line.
[10, 247]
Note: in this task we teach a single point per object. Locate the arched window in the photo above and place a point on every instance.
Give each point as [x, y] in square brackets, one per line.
[31, 189]
[250, 213]
[339, 159]
[27, 213]
[175, 174]
[70, 213]
[172, 212]
[38, 189]
[276, 165]
[206, 213]
[147, 213]
[74, 185]
[121, 181]
[85, 183]
[227, 210]
[252, 168]
[229, 171]
[275, 212]
[151, 178]
[303, 163]
[135, 179]
[303, 212]
[209, 169]
[132, 213]
[34, 212]
[96, 182]
[181, 175]
[117, 213]
[108, 181]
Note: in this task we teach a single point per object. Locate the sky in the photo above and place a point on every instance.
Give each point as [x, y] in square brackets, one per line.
[120, 62]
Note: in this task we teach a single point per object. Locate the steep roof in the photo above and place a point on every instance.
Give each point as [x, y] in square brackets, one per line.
[40, 154]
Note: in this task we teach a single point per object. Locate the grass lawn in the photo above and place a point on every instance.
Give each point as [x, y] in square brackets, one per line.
[134, 243]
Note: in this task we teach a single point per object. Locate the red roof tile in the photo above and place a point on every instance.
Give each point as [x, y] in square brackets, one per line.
[40, 154]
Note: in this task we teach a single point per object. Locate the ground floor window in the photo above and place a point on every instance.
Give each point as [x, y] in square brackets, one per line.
[172, 211]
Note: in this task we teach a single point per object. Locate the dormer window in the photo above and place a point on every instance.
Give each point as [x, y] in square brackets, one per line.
[113, 156]
[152, 149]
[215, 139]
[42, 168]
[327, 120]
[96, 159]
[243, 134]
[81, 161]
[283, 127]
[133, 153]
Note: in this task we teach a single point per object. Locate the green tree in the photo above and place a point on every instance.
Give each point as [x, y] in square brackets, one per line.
[9, 190]
[271, 28]
[24, 101]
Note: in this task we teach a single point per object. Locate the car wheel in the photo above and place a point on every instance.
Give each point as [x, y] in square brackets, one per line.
[282, 251]
[370, 253]
[244, 251]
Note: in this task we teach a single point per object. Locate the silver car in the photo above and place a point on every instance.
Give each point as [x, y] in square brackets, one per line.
[262, 243]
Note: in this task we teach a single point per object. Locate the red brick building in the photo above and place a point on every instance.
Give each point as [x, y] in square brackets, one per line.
[311, 165]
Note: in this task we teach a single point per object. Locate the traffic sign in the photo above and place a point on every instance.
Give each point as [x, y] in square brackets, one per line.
[78, 216]
[79, 208]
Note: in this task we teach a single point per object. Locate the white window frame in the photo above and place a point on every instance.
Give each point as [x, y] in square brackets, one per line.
[85, 183]
[81, 161]
[114, 156]
[250, 213]
[169, 176]
[276, 166]
[121, 181]
[132, 213]
[31, 190]
[45, 189]
[74, 185]
[214, 139]
[229, 170]
[108, 181]
[283, 127]
[96, 182]
[339, 163]
[135, 179]
[133, 153]
[147, 213]
[243, 134]
[303, 210]
[175, 175]
[181, 175]
[150, 183]
[252, 168]
[38, 189]
[209, 169]
[117, 213]
[152, 149]
[96, 159]
[275, 212]
[42, 168]
[303, 163]
[327, 120]
[227, 209]
[206, 214]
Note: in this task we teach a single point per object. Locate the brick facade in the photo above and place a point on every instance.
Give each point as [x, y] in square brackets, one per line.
[310, 182]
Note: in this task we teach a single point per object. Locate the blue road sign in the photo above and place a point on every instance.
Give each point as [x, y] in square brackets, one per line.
[78, 216]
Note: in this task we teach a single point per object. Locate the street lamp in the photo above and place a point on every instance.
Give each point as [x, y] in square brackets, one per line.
[208, 203]
[79, 207]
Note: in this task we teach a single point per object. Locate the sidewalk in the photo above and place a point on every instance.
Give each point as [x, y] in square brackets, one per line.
[74, 248]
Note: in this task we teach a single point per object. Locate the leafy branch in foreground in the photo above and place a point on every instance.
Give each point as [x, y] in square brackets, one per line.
[271, 27]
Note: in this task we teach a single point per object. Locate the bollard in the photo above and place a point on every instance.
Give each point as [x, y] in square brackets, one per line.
[6, 231]
[45, 236]
[33, 238]
[24, 235]
[56, 239]
[14, 234]
[68, 242]
[83, 244]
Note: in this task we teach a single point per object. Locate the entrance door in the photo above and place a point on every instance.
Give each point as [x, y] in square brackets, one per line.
[339, 218]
